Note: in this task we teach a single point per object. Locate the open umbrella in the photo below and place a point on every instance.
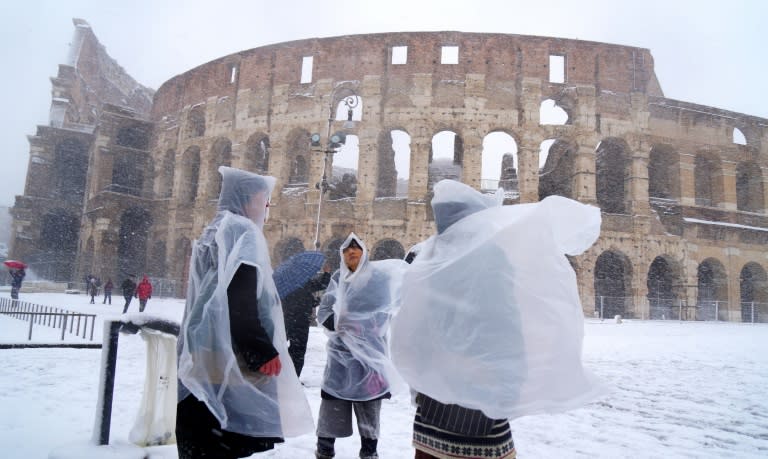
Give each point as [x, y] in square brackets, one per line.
[15, 264]
[296, 271]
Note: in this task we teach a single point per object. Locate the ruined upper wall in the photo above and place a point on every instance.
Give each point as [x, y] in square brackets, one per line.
[503, 59]
[89, 80]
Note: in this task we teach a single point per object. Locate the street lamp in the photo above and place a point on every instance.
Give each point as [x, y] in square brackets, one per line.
[334, 143]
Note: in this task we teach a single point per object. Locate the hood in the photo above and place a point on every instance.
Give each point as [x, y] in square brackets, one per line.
[238, 185]
[454, 200]
[363, 259]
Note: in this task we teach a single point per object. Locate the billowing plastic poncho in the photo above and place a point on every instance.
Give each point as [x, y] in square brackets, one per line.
[244, 401]
[362, 302]
[490, 316]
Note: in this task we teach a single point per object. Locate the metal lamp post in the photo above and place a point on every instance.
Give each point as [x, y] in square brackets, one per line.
[334, 143]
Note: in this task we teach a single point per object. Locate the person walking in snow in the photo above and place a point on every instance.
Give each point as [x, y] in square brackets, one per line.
[356, 311]
[238, 391]
[129, 290]
[108, 291]
[17, 276]
[93, 290]
[144, 292]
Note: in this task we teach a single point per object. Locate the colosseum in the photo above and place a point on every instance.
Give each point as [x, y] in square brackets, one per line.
[356, 129]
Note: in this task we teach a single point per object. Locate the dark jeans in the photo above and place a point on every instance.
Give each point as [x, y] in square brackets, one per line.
[142, 305]
[127, 303]
[107, 297]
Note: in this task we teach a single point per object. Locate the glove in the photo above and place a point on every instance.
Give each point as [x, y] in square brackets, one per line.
[272, 368]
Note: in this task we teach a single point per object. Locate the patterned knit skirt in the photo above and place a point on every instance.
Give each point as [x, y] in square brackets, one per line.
[442, 444]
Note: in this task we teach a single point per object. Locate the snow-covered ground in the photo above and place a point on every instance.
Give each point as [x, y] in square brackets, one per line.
[675, 390]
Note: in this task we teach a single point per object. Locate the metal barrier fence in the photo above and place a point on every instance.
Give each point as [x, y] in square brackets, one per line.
[48, 316]
[678, 309]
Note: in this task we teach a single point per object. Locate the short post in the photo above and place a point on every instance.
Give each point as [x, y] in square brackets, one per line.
[602, 317]
[753, 312]
[31, 319]
[63, 325]
[107, 382]
[717, 311]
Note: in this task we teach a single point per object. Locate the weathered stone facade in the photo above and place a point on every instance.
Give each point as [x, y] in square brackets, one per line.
[684, 205]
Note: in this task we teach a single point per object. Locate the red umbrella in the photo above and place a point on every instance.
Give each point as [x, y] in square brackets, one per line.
[15, 264]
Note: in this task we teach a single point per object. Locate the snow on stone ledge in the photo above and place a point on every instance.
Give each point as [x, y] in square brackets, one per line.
[730, 225]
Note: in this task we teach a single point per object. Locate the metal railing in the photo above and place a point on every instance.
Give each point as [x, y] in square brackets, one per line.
[678, 309]
[48, 316]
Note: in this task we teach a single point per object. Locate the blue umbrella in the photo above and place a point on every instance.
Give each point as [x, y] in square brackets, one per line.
[296, 271]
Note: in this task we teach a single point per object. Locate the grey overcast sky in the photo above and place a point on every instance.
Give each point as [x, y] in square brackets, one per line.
[707, 52]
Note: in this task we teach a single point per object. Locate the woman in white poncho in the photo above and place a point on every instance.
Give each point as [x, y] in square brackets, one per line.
[356, 310]
[238, 391]
[491, 326]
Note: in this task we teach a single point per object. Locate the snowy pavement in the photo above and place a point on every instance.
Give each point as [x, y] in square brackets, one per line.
[673, 390]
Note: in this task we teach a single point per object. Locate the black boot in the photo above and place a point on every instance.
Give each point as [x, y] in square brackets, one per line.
[325, 448]
[368, 448]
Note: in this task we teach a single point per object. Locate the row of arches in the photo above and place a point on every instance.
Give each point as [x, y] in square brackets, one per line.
[669, 294]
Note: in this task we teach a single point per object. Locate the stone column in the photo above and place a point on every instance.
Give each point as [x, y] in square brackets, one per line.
[419, 173]
[528, 168]
[584, 179]
[687, 179]
[729, 186]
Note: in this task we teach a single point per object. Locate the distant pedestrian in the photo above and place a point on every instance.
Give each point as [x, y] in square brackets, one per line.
[17, 276]
[93, 290]
[144, 292]
[129, 289]
[108, 291]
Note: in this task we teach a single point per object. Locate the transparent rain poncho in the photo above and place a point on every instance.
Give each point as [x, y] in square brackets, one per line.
[244, 401]
[490, 316]
[362, 302]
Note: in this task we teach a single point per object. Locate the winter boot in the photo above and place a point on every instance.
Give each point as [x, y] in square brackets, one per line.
[368, 448]
[325, 448]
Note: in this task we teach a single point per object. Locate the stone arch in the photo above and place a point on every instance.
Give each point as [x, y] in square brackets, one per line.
[257, 153]
[386, 249]
[394, 163]
[59, 233]
[136, 136]
[664, 288]
[285, 248]
[190, 175]
[708, 180]
[663, 173]
[156, 266]
[712, 290]
[446, 157]
[749, 187]
[753, 285]
[331, 251]
[196, 122]
[344, 170]
[499, 161]
[132, 243]
[221, 155]
[613, 284]
[556, 174]
[551, 113]
[297, 158]
[612, 172]
[70, 164]
[165, 174]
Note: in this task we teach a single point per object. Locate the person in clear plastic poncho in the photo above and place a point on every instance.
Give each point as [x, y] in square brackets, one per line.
[491, 325]
[238, 391]
[356, 311]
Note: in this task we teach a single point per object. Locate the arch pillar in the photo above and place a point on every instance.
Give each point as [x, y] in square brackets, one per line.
[528, 168]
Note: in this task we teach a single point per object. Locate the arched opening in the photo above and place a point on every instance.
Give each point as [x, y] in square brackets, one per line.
[257, 153]
[446, 157]
[612, 167]
[57, 246]
[663, 284]
[753, 284]
[196, 122]
[386, 249]
[613, 283]
[499, 163]
[286, 248]
[136, 137]
[190, 175]
[394, 164]
[349, 108]
[738, 137]
[556, 166]
[712, 293]
[221, 155]
[70, 165]
[552, 114]
[663, 173]
[345, 166]
[297, 159]
[708, 184]
[128, 174]
[749, 187]
[132, 244]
